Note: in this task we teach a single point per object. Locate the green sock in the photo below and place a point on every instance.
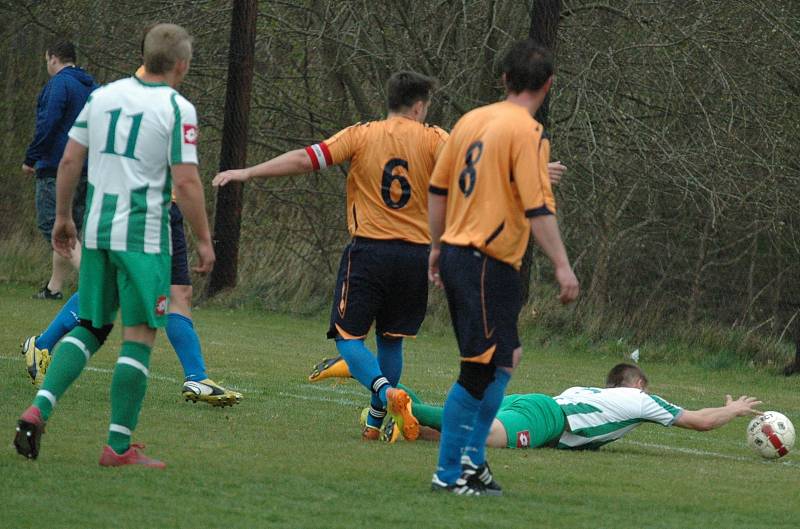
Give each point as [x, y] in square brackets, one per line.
[128, 386]
[414, 397]
[69, 359]
[428, 415]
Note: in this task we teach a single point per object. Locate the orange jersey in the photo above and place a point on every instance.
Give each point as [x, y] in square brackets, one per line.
[494, 173]
[387, 185]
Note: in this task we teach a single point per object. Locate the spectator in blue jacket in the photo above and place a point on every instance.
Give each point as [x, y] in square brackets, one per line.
[59, 103]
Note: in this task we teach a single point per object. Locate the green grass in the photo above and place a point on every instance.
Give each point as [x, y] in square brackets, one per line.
[290, 455]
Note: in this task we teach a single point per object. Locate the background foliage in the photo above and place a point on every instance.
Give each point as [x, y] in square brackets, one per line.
[678, 121]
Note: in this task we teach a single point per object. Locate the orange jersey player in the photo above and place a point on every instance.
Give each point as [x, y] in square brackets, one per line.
[489, 190]
[382, 274]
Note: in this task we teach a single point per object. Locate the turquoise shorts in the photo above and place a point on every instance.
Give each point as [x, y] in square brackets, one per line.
[531, 420]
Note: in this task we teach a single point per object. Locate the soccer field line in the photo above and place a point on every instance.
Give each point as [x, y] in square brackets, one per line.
[706, 453]
[153, 376]
[172, 380]
[322, 399]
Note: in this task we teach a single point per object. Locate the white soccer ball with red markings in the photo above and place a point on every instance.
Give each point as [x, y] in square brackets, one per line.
[771, 435]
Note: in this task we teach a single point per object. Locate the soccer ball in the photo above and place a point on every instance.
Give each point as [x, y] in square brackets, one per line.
[771, 435]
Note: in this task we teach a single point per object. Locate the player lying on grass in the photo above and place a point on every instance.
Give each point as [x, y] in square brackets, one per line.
[579, 418]
[180, 329]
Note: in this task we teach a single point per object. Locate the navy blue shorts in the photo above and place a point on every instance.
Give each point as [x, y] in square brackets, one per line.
[46, 202]
[381, 281]
[180, 260]
[485, 297]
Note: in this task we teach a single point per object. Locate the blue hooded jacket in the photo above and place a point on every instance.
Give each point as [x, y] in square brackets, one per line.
[59, 103]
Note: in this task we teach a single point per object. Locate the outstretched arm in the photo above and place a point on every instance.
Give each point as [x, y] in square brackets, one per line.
[289, 163]
[711, 418]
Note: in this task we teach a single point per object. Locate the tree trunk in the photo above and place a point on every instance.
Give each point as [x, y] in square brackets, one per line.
[233, 153]
[544, 28]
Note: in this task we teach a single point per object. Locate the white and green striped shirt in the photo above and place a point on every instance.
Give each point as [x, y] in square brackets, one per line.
[134, 132]
[597, 416]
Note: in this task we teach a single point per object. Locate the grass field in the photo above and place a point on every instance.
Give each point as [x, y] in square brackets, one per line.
[290, 455]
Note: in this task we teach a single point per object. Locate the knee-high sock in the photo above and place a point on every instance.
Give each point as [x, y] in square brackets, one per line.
[69, 359]
[184, 339]
[128, 386]
[364, 367]
[492, 398]
[458, 419]
[390, 362]
[66, 320]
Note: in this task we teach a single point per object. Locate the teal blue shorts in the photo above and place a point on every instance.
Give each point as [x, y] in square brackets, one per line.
[531, 420]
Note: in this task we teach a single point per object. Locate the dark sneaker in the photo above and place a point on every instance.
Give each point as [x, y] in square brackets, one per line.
[30, 428]
[483, 474]
[462, 487]
[46, 293]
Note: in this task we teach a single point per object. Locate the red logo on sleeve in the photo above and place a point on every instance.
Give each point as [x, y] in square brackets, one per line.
[523, 439]
[190, 134]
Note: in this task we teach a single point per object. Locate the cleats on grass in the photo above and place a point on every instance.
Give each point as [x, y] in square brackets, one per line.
[209, 391]
[330, 368]
[399, 407]
[132, 456]
[30, 428]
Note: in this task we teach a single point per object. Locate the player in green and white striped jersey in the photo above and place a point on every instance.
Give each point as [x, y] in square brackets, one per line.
[582, 417]
[139, 134]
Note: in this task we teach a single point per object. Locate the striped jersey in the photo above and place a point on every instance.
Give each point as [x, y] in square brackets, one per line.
[597, 416]
[134, 132]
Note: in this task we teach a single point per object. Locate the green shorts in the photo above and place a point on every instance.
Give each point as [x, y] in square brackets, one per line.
[531, 420]
[135, 282]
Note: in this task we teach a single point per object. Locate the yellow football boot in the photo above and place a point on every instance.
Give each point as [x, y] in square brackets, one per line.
[36, 360]
[209, 391]
[328, 368]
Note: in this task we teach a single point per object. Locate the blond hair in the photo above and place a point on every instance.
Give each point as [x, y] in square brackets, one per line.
[164, 46]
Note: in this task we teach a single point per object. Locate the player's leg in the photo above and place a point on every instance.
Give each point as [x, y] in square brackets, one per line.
[45, 216]
[356, 298]
[98, 305]
[36, 349]
[502, 301]
[180, 327]
[399, 316]
[143, 286]
[477, 393]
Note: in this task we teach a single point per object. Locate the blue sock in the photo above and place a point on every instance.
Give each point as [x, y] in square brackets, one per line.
[66, 320]
[492, 398]
[390, 358]
[364, 367]
[184, 339]
[390, 362]
[458, 418]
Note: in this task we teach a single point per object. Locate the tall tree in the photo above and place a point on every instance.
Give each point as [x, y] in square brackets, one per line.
[233, 153]
[544, 28]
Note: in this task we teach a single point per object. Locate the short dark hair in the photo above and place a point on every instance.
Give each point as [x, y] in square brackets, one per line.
[406, 88]
[64, 50]
[527, 66]
[625, 375]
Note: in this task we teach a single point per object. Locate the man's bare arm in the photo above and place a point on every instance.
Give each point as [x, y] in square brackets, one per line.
[190, 198]
[712, 418]
[65, 235]
[287, 164]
